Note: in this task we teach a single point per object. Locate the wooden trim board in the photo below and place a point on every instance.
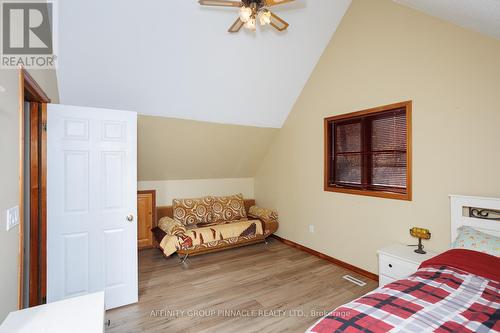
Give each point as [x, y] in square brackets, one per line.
[334, 261]
[20, 301]
[30, 91]
[35, 226]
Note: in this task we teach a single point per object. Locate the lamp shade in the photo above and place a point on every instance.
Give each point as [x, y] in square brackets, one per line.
[250, 24]
[420, 233]
[245, 14]
[264, 17]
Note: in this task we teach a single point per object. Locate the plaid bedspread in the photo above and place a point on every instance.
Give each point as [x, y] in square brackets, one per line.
[437, 298]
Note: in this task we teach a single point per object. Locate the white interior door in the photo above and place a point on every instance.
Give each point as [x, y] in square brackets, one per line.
[91, 203]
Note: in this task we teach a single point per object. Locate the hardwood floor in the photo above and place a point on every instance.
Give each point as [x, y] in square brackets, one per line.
[286, 285]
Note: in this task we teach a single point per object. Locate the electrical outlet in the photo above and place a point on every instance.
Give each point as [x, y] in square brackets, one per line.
[311, 228]
[12, 217]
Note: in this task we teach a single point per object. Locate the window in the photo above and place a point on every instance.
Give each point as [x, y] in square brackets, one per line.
[369, 152]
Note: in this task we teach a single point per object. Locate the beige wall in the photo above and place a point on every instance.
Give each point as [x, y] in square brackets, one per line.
[178, 149]
[184, 158]
[384, 53]
[9, 177]
[166, 190]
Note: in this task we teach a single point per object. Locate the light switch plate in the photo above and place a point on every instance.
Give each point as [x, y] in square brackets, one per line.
[12, 217]
[311, 228]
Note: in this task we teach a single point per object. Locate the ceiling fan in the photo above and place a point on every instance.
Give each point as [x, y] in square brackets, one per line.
[251, 11]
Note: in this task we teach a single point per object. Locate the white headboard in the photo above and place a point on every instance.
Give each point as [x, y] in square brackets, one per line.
[460, 214]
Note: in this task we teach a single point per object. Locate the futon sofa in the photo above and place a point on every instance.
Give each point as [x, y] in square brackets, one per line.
[209, 224]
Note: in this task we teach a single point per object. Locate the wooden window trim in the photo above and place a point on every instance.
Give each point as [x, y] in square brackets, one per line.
[380, 194]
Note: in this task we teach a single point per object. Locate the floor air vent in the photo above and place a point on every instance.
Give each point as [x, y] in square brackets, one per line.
[354, 280]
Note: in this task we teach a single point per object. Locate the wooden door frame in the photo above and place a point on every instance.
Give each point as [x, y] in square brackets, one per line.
[30, 91]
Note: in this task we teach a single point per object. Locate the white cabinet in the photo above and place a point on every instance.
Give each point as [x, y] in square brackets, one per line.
[82, 314]
[398, 261]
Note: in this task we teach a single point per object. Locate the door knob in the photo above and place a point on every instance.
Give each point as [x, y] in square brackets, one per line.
[130, 218]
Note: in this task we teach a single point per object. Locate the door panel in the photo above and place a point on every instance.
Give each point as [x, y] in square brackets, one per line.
[114, 179]
[115, 264]
[76, 250]
[76, 129]
[76, 181]
[92, 188]
[114, 131]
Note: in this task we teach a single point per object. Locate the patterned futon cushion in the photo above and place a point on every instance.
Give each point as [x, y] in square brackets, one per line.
[171, 226]
[263, 213]
[213, 236]
[193, 211]
[228, 208]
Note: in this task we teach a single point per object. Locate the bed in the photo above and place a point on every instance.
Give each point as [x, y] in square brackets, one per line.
[456, 291]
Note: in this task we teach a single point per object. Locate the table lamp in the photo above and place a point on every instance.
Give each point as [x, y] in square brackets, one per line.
[420, 233]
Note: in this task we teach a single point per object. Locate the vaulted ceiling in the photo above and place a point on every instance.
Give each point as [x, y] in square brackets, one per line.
[175, 58]
[479, 15]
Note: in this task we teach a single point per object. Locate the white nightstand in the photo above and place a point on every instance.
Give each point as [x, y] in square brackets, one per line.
[398, 261]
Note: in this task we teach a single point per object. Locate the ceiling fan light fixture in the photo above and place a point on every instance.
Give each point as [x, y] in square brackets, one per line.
[264, 17]
[250, 24]
[251, 13]
[245, 14]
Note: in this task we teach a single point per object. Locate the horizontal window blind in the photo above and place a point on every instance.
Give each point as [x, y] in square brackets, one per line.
[387, 153]
[348, 153]
[369, 152]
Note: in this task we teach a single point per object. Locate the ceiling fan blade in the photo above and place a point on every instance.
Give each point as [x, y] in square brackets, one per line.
[270, 3]
[220, 3]
[237, 25]
[278, 23]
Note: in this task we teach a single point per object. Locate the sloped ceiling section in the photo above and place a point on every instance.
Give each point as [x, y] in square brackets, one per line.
[175, 58]
[479, 15]
[171, 148]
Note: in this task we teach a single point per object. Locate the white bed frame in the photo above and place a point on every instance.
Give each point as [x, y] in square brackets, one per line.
[460, 216]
